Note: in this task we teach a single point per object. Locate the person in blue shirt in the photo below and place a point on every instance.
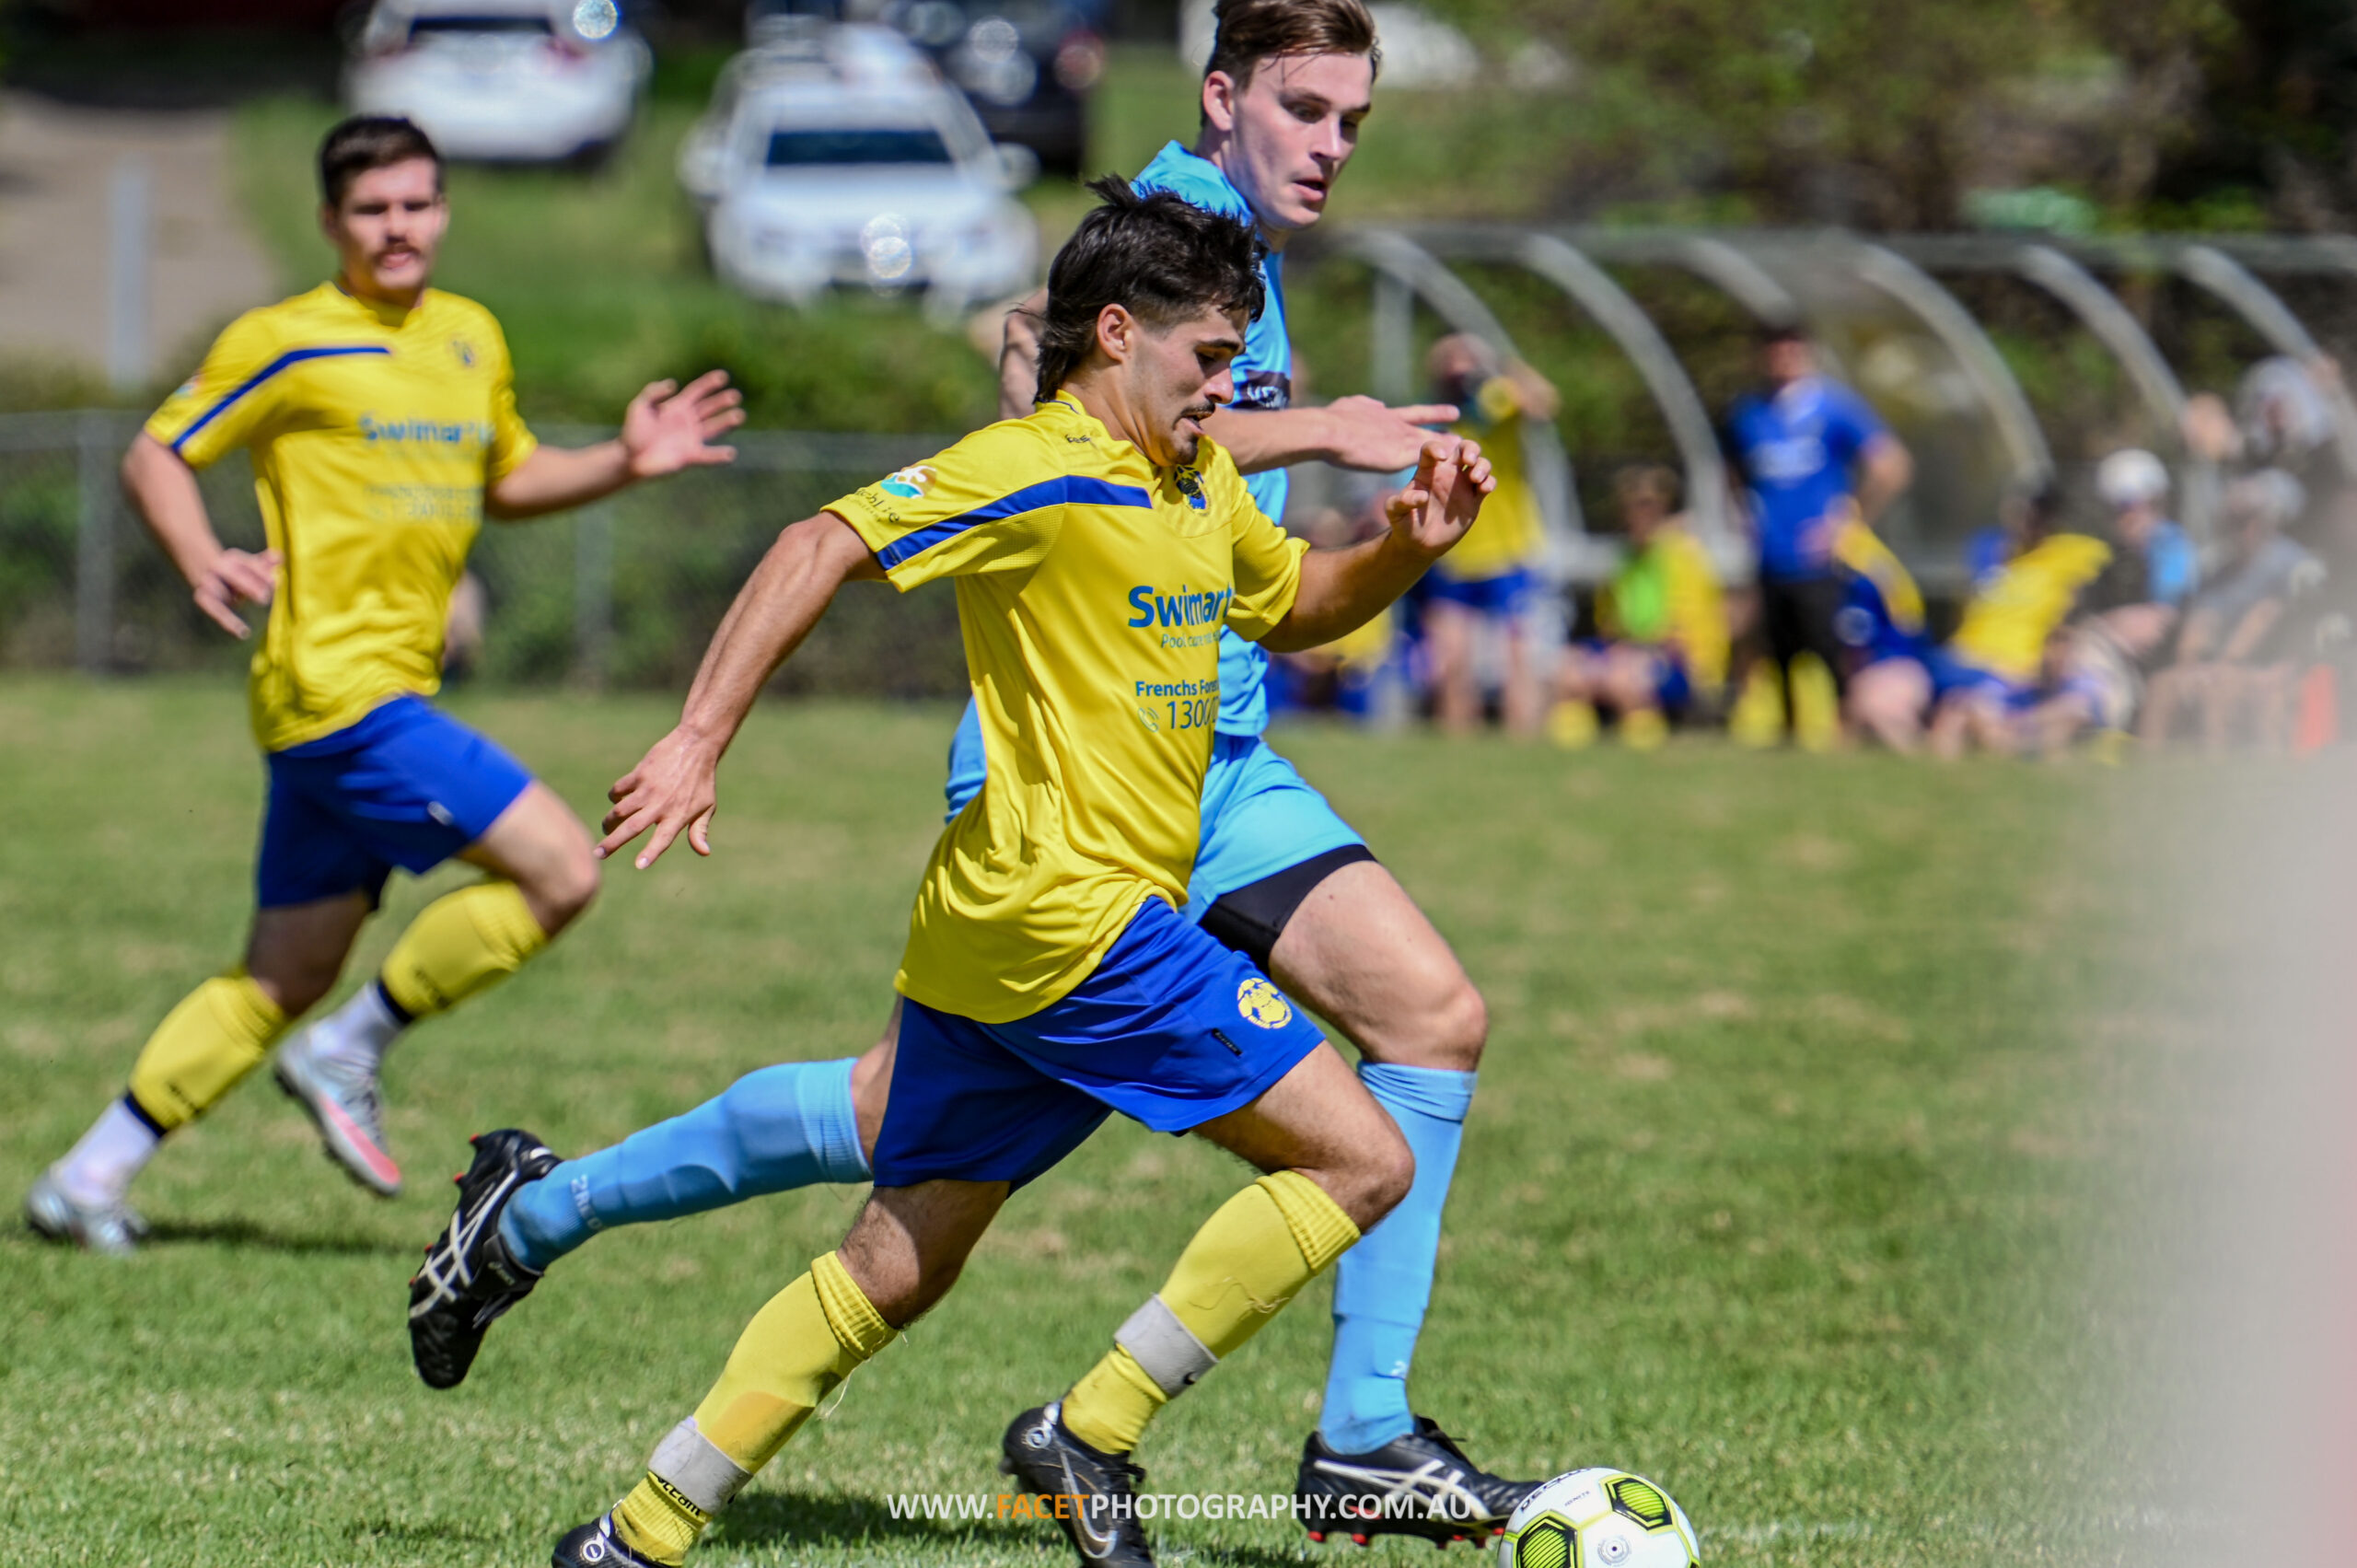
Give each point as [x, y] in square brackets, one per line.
[1812, 456]
[1279, 876]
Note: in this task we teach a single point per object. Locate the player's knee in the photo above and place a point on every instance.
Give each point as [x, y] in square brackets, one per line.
[1378, 1181]
[1457, 1025]
[564, 893]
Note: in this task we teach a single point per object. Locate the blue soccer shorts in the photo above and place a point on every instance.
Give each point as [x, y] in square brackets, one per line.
[1171, 1029]
[1952, 677]
[1261, 817]
[1506, 595]
[407, 786]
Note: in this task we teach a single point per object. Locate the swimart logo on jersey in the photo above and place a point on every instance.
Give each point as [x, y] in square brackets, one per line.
[909, 484]
[423, 432]
[1172, 610]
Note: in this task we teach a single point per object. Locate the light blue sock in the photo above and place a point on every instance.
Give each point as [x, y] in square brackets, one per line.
[1383, 1284]
[775, 1130]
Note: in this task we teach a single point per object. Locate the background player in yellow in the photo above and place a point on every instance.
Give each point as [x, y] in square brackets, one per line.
[1973, 690]
[1098, 547]
[1661, 624]
[381, 420]
[1490, 583]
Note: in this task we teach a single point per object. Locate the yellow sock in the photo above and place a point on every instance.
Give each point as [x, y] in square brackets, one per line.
[1757, 720]
[1643, 730]
[458, 945]
[811, 1336]
[220, 1033]
[1249, 1258]
[1572, 725]
[1817, 706]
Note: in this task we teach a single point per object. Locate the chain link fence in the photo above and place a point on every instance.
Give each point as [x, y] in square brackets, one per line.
[622, 593]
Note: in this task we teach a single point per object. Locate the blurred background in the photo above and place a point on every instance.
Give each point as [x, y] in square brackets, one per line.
[2029, 236]
[2088, 260]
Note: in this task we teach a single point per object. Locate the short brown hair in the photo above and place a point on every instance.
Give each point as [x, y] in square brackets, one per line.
[1250, 31]
[366, 142]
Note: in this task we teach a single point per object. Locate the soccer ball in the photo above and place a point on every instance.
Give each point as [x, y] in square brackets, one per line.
[1598, 1519]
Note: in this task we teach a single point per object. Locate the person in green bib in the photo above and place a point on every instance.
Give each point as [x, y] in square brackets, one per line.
[1662, 648]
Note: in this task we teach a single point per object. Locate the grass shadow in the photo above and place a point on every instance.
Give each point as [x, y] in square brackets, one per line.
[246, 1233]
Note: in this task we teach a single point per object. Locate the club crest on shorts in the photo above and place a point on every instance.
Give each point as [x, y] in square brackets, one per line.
[1263, 1004]
[909, 484]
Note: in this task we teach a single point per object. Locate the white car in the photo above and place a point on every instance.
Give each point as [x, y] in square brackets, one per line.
[841, 157]
[531, 81]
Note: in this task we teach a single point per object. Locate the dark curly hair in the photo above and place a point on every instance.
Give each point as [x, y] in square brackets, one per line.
[1159, 257]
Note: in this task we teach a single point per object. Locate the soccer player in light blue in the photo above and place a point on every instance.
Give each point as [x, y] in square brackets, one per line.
[1279, 876]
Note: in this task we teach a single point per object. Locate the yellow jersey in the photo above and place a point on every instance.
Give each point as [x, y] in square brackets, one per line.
[1668, 593]
[372, 431]
[1511, 530]
[1091, 589]
[2006, 624]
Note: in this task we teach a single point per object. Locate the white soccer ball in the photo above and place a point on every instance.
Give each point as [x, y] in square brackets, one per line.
[1598, 1519]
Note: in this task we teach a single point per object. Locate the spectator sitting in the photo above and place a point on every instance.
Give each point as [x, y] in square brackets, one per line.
[1663, 648]
[2283, 419]
[2122, 628]
[1486, 582]
[1993, 668]
[2231, 661]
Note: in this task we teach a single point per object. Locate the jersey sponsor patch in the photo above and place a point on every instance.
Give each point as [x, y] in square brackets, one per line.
[1262, 1004]
[909, 484]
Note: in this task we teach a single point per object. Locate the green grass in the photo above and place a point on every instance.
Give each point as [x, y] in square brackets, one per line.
[1802, 1110]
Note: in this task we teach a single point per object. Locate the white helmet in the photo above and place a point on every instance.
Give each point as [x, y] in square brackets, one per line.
[2131, 478]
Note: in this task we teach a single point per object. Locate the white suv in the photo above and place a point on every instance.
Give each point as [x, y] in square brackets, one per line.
[839, 155]
[534, 81]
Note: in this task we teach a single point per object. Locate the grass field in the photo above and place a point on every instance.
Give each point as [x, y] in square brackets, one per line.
[1800, 1119]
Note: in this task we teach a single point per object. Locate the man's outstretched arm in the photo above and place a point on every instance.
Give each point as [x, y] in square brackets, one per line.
[674, 786]
[1351, 432]
[1344, 589]
[664, 430]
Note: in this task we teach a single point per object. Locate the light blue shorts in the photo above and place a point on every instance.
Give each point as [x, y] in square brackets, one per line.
[1260, 816]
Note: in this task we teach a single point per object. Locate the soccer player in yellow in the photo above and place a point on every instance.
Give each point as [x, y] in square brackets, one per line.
[1491, 581]
[380, 415]
[1097, 546]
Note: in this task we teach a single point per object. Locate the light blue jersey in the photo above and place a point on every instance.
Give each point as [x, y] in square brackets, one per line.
[1263, 381]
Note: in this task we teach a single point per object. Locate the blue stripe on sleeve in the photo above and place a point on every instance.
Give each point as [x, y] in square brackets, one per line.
[1063, 491]
[291, 356]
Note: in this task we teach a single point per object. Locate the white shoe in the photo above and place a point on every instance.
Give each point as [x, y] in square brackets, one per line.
[343, 1102]
[113, 1228]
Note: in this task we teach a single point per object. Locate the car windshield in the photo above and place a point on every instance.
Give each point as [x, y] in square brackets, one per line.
[517, 27]
[834, 147]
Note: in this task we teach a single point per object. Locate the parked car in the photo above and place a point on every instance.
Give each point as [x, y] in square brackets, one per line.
[836, 156]
[529, 81]
[1027, 65]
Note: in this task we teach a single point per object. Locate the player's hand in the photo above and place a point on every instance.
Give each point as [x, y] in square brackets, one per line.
[666, 428]
[235, 577]
[1370, 435]
[1441, 502]
[675, 787]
